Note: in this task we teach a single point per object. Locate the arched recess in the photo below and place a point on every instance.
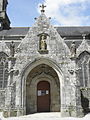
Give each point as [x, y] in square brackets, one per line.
[56, 84]
[41, 73]
[84, 71]
[83, 62]
[3, 70]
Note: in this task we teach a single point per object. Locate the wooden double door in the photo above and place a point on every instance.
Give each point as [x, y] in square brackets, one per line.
[43, 96]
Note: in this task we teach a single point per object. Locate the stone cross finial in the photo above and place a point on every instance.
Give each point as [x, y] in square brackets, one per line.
[42, 6]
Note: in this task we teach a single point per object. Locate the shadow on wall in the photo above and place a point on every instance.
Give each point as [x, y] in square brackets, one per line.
[85, 104]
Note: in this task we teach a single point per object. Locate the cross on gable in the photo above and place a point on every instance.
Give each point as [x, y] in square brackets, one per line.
[43, 6]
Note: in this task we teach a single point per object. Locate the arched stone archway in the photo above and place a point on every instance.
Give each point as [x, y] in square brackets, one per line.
[40, 73]
[21, 100]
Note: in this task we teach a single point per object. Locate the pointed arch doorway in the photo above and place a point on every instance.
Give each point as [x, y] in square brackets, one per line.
[43, 96]
[42, 90]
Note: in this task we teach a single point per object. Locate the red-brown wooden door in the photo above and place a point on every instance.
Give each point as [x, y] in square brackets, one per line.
[43, 96]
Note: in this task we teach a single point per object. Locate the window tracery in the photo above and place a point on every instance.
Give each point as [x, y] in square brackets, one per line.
[84, 73]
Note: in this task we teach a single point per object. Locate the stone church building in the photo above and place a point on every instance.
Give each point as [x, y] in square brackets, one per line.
[43, 68]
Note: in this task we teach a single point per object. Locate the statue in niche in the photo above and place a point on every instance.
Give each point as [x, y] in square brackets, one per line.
[12, 49]
[73, 49]
[43, 45]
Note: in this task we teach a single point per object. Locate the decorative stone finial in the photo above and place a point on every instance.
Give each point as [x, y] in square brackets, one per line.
[84, 35]
[12, 49]
[42, 6]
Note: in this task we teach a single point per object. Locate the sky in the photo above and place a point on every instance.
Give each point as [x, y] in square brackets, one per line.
[62, 12]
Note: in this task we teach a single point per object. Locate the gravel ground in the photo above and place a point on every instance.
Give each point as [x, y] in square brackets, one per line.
[44, 116]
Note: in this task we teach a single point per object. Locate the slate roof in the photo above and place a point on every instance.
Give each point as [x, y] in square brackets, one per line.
[63, 31]
[15, 31]
[73, 31]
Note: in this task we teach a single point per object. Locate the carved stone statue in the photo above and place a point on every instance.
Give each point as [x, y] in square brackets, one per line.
[43, 42]
[12, 49]
[73, 49]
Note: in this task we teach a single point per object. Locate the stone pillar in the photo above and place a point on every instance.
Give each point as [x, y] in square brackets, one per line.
[79, 109]
[71, 107]
[19, 96]
[18, 84]
[76, 102]
[8, 97]
[9, 89]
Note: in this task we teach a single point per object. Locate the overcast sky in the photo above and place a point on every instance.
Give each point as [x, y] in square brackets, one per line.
[62, 12]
